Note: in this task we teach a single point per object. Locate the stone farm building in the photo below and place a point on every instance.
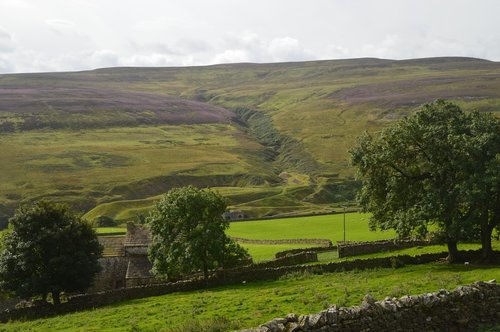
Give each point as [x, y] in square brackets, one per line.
[125, 260]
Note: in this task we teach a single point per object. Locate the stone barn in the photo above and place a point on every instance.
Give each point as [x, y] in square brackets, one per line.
[125, 260]
[234, 215]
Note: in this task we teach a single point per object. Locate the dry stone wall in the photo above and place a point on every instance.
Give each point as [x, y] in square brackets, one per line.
[7, 304]
[346, 249]
[320, 242]
[294, 259]
[284, 253]
[463, 309]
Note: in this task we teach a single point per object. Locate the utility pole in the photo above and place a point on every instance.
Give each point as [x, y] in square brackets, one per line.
[344, 223]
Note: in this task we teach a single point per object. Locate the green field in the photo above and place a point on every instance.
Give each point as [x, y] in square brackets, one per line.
[328, 227]
[111, 230]
[261, 252]
[251, 304]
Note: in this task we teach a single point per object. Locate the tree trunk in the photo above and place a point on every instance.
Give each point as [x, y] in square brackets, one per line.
[452, 252]
[486, 230]
[56, 297]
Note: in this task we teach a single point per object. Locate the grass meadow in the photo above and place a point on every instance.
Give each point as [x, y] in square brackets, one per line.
[328, 227]
[251, 304]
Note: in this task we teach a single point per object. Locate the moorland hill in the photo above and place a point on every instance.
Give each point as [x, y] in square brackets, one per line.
[274, 138]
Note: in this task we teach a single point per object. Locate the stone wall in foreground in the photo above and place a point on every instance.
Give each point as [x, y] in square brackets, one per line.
[463, 309]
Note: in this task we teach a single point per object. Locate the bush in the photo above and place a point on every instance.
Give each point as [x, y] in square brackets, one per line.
[104, 221]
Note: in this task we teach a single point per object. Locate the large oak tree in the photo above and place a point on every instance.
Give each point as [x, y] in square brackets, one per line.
[438, 166]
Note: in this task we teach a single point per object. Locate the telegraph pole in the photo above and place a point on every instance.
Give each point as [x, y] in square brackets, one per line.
[344, 223]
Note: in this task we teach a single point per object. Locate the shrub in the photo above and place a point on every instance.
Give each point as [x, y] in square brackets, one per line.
[104, 221]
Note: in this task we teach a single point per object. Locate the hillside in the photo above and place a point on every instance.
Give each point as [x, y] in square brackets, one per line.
[273, 137]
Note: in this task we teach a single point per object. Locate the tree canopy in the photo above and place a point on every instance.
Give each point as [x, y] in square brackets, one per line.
[438, 166]
[189, 233]
[48, 250]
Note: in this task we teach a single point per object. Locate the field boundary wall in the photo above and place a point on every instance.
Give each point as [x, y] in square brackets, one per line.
[463, 309]
[320, 242]
[346, 249]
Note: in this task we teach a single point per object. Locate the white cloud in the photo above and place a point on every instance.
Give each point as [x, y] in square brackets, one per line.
[61, 26]
[103, 58]
[288, 49]
[238, 55]
[85, 34]
[249, 47]
[333, 51]
[6, 66]
[6, 41]
[15, 4]
[422, 45]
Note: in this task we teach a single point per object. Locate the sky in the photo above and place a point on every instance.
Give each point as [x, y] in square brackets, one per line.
[68, 35]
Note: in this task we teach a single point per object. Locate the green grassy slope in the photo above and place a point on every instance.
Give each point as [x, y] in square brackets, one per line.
[95, 166]
[251, 304]
[123, 134]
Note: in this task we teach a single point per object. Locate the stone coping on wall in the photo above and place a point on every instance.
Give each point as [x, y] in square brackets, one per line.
[462, 309]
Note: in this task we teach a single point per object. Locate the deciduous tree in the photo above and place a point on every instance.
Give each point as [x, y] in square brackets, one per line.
[438, 166]
[48, 250]
[188, 233]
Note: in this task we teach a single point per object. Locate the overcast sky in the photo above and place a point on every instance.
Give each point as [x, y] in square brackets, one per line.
[62, 35]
